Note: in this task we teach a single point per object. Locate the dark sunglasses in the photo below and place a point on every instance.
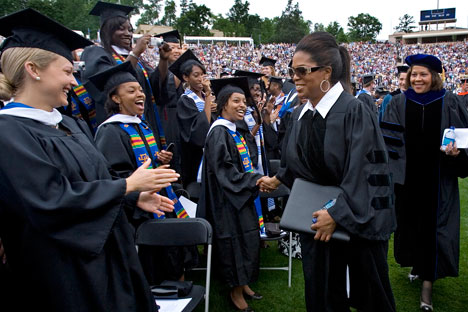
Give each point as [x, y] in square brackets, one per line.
[301, 71]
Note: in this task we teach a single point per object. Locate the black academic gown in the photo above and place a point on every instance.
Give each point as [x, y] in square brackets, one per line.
[345, 149]
[227, 202]
[194, 127]
[62, 222]
[158, 263]
[97, 59]
[368, 100]
[167, 96]
[427, 198]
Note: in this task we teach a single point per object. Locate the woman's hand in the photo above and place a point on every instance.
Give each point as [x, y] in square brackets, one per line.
[325, 225]
[155, 203]
[451, 149]
[141, 45]
[206, 86]
[268, 184]
[165, 157]
[144, 179]
[165, 51]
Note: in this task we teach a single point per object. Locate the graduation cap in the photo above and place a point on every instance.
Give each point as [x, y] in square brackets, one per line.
[265, 61]
[224, 74]
[464, 78]
[425, 60]
[106, 11]
[176, 67]
[252, 77]
[31, 29]
[367, 79]
[402, 69]
[278, 80]
[225, 86]
[109, 79]
[172, 36]
[249, 74]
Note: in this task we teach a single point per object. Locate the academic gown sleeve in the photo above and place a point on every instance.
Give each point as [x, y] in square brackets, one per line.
[77, 214]
[193, 124]
[365, 208]
[223, 164]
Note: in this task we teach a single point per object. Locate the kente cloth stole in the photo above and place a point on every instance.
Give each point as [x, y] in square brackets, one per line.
[244, 154]
[141, 155]
[261, 154]
[198, 102]
[119, 59]
[87, 101]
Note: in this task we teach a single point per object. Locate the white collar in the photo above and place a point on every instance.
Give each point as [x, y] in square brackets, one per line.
[326, 102]
[223, 122]
[120, 51]
[52, 118]
[120, 118]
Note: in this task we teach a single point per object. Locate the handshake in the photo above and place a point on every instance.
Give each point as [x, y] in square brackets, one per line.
[268, 184]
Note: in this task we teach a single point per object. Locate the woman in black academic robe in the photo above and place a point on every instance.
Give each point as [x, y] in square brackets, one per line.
[426, 179]
[227, 198]
[61, 217]
[116, 35]
[125, 103]
[194, 114]
[334, 140]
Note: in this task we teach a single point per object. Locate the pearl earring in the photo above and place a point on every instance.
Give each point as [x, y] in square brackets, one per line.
[38, 78]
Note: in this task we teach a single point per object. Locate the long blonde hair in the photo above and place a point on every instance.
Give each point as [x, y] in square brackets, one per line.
[13, 72]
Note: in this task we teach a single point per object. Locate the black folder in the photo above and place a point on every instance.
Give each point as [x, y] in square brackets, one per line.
[306, 198]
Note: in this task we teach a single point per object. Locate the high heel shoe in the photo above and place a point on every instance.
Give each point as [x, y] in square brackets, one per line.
[425, 306]
[254, 296]
[247, 309]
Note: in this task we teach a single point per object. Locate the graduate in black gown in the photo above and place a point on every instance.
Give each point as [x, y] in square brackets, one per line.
[195, 112]
[167, 89]
[61, 212]
[126, 141]
[228, 193]
[426, 178]
[334, 140]
[402, 70]
[116, 47]
[366, 94]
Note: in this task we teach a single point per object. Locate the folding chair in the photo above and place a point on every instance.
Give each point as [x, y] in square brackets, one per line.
[280, 192]
[181, 232]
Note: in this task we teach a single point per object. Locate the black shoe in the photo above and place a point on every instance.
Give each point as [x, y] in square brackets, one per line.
[254, 296]
[425, 306]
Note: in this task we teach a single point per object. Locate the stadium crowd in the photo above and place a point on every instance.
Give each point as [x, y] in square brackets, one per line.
[367, 58]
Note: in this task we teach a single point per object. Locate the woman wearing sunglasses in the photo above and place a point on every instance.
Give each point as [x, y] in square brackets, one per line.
[334, 140]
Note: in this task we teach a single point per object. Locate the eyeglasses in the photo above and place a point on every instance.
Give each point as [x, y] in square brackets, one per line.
[301, 71]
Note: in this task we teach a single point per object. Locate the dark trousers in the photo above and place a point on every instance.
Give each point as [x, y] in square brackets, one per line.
[324, 266]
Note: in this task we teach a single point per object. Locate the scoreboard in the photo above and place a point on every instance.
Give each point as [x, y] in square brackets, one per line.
[437, 15]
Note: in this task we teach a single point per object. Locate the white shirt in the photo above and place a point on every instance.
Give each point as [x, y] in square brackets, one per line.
[325, 103]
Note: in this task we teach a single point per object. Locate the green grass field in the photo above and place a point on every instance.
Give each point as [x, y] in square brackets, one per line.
[450, 294]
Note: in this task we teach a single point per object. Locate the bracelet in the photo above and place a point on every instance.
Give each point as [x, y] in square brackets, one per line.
[134, 55]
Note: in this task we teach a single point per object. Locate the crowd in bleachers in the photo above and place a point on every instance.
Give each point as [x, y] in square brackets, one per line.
[377, 58]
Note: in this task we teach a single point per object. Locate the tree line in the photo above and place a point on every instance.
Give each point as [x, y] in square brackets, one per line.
[194, 19]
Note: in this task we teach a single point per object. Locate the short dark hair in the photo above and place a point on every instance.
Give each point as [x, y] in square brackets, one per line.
[109, 28]
[323, 50]
[436, 82]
